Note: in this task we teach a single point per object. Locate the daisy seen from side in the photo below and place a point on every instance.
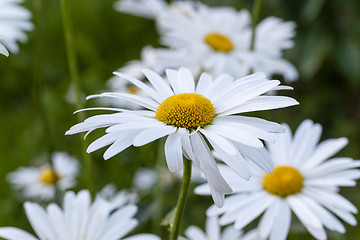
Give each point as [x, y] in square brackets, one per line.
[41, 182]
[78, 219]
[188, 113]
[305, 181]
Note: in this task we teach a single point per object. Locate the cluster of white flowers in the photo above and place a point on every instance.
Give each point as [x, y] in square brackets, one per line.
[198, 90]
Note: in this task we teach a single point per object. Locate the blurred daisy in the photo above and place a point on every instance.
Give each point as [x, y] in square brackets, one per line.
[216, 39]
[145, 178]
[14, 21]
[186, 114]
[213, 232]
[79, 219]
[118, 198]
[40, 182]
[3, 50]
[304, 182]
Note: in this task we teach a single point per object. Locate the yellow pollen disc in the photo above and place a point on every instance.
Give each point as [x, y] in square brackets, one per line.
[219, 42]
[186, 110]
[132, 90]
[48, 176]
[283, 181]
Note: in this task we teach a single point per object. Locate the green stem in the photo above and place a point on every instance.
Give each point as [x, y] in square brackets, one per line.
[74, 77]
[256, 10]
[181, 201]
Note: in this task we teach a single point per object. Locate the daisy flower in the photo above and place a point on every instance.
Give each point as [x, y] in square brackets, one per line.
[305, 181]
[40, 182]
[213, 232]
[216, 39]
[14, 21]
[79, 219]
[189, 114]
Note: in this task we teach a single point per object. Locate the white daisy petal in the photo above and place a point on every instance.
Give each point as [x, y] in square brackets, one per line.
[186, 81]
[126, 140]
[261, 103]
[152, 134]
[38, 220]
[305, 215]
[325, 150]
[282, 222]
[173, 153]
[151, 92]
[204, 83]
[11, 233]
[159, 84]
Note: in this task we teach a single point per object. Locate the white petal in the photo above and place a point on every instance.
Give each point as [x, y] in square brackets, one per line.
[262, 103]
[151, 92]
[11, 233]
[39, 221]
[142, 101]
[186, 80]
[325, 150]
[152, 134]
[143, 236]
[204, 82]
[223, 143]
[159, 83]
[305, 215]
[237, 135]
[173, 153]
[120, 144]
[281, 227]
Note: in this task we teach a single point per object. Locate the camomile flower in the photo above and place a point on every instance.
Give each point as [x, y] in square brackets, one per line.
[3, 50]
[40, 182]
[216, 39]
[305, 181]
[14, 21]
[188, 113]
[213, 232]
[78, 219]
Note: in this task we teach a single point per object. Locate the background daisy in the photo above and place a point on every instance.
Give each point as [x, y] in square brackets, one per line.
[14, 21]
[41, 182]
[78, 219]
[216, 39]
[305, 181]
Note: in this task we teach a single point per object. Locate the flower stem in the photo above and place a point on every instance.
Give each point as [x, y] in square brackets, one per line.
[74, 77]
[256, 10]
[182, 199]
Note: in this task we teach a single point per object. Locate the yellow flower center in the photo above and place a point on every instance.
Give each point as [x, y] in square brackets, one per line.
[283, 181]
[48, 176]
[132, 90]
[219, 42]
[186, 110]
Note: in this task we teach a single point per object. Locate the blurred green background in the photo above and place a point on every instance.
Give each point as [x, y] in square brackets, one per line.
[327, 55]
